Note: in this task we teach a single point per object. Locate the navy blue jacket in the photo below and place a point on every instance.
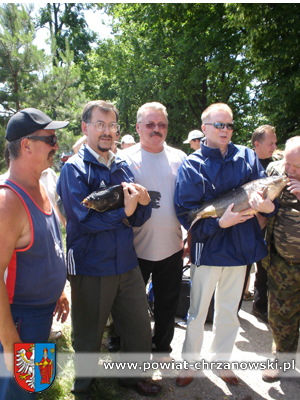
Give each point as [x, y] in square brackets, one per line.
[98, 244]
[204, 176]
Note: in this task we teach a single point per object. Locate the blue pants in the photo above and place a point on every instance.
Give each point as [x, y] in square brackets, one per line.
[33, 325]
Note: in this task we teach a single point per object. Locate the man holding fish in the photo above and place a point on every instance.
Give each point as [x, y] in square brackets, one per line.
[283, 263]
[220, 247]
[102, 263]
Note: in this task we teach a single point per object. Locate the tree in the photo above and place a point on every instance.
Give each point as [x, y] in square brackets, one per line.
[19, 58]
[183, 55]
[29, 78]
[66, 21]
[271, 38]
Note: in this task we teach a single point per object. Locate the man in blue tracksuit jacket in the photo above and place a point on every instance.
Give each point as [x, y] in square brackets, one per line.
[102, 263]
[220, 248]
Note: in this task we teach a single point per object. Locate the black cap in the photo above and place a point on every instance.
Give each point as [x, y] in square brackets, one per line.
[29, 120]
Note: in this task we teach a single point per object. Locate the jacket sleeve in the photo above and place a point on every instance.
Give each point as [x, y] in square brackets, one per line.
[189, 192]
[141, 215]
[73, 188]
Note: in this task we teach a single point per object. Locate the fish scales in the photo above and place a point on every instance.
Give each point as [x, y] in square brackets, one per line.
[105, 199]
[270, 186]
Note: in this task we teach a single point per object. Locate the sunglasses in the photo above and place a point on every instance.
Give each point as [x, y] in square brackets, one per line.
[151, 125]
[220, 125]
[51, 140]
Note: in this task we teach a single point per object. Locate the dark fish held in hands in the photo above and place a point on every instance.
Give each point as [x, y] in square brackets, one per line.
[112, 197]
[271, 188]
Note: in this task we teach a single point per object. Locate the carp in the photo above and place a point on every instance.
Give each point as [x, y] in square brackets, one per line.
[271, 188]
[106, 199]
[112, 197]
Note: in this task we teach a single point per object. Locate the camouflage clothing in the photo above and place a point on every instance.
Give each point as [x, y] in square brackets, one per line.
[283, 268]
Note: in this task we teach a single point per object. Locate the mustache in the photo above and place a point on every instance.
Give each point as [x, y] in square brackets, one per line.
[105, 136]
[154, 133]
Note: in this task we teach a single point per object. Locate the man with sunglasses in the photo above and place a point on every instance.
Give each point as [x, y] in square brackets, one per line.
[32, 263]
[220, 248]
[158, 242]
[102, 264]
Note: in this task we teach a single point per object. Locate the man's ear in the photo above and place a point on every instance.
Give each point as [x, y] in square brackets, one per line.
[137, 128]
[84, 128]
[26, 144]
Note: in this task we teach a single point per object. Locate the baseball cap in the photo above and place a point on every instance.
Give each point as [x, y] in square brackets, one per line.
[127, 139]
[194, 135]
[29, 120]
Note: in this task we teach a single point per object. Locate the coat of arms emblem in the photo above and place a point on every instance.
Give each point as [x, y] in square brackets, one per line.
[34, 365]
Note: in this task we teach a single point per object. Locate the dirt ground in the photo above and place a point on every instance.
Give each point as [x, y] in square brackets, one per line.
[253, 343]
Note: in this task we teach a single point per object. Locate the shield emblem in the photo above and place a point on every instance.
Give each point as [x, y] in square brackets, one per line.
[35, 365]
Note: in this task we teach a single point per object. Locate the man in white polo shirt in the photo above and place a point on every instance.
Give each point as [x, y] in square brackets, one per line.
[158, 243]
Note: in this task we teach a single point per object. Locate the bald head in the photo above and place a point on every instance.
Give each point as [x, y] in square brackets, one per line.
[292, 158]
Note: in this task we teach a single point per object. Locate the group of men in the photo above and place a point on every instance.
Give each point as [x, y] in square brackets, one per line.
[111, 255]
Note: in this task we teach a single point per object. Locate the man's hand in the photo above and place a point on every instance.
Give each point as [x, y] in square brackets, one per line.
[131, 198]
[294, 187]
[259, 204]
[9, 356]
[62, 308]
[144, 198]
[230, 218]
[187, 247]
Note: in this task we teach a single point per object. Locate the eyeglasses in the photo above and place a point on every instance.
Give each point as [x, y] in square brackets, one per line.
[51, 140]
[220, 125]
[151, 125]
[100, 126]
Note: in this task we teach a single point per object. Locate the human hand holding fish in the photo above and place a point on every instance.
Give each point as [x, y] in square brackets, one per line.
[131, 197]
[260, 204]
[230, 218]
[144, 198]
[294, 187]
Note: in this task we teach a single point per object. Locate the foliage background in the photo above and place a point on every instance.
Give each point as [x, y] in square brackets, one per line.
[184, 55]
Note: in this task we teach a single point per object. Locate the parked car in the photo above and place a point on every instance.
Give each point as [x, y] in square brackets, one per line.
[65, 155]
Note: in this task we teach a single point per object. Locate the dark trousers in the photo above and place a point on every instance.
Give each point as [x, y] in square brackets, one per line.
[261, 288]
[33, 325]
[166, 280]
[247, 274]
[93, 298]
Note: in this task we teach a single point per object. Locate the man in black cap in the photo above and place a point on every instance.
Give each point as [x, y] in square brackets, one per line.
[32, 263]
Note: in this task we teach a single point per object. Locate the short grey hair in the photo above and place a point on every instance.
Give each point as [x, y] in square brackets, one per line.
[12, 150]
[293, 142]
[150, 106]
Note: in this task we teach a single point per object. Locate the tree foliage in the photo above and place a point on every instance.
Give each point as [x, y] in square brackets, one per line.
[30, 78]
[67, 24]
[272, 42]
[183, 55]
[20, 60]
